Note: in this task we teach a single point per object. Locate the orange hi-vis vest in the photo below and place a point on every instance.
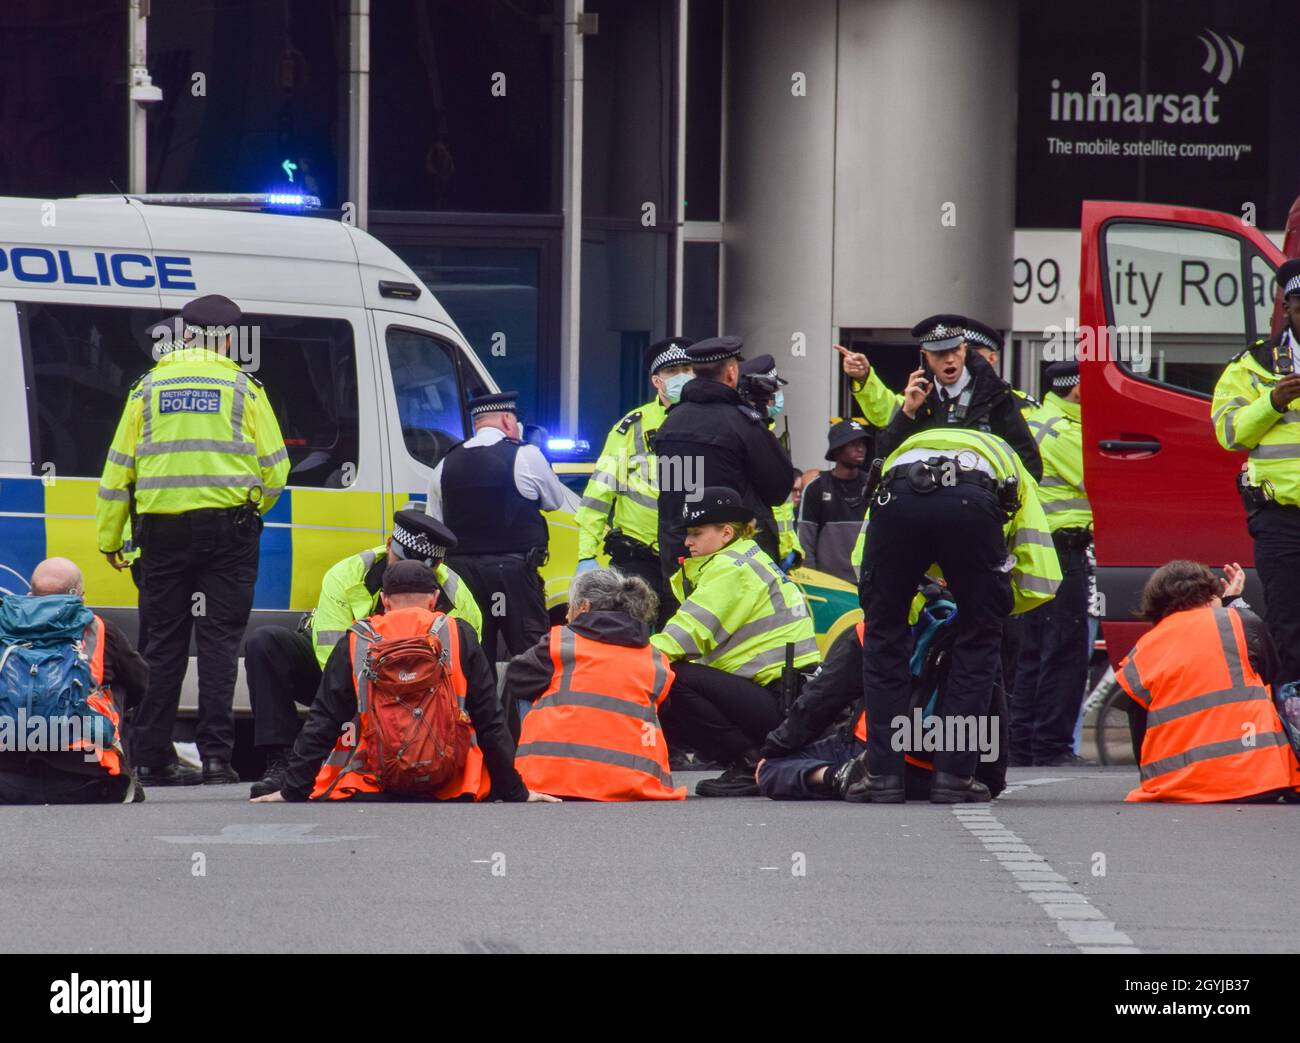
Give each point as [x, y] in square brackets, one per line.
[860, 727]
[594, 733]
[1212, 731]
[347, 771]
[108, 753]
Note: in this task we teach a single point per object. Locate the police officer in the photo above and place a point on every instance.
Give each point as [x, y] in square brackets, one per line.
[957, 388]
[1053, 668]
[987, 342]
[199, 442]
[284, 666]
[1257, 408]
[620, 506]
[711, 438]
[760, 388]
[962, 499]
[491, 490]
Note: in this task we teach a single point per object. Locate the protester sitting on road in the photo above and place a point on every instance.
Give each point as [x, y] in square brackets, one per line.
[65, 680]
[409, 708]
[739, 619]
[595, 686]
[1209, 729]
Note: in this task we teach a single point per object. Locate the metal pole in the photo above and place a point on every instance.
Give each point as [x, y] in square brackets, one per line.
[137, 75]
[359, 112]
[571, 206]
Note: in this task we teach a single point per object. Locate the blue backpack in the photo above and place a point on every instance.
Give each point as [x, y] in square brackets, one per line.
[47, 644]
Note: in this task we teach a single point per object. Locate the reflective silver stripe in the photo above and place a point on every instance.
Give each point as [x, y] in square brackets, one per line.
[114, 494]
[1136, 686]
[198, 481]
[329, 637]
[271, 459]
[198, 445]
[450, 585]
[641, 499]
[271, 492]
[1045, 428]
[756, 664]
[1231, 404]
[121, 459]
[660, 682]
[578, 751]
[1165, 714]
[1051, 481]
[711, 622]
[1230, 431]
[591, 503]
[999, 454]
[237, 407]
[1038, 536]
[1209, 751]
[1228, 639]
[146, 391]
[606, 479]
[1276, 452]
[1058, 506]
[595, 701]
[367, 558]
[687, 643]
[1037, 584]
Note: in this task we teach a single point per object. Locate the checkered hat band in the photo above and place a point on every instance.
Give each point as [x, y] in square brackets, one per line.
[492, 407]
[417, 543]
[717, 356]
[670, 356]
[1292, 287]
[1065, 382]
[976, 337]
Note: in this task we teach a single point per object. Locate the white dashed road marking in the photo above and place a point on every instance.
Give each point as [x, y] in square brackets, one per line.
[1078, 919]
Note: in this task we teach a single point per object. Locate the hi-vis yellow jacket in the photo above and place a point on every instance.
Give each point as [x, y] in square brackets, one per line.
[1244, 418]
[1036, 572]
[738, 612]
[877, 403]
[345, 598]
[1058, 429]
[197, 432]
[623, 491]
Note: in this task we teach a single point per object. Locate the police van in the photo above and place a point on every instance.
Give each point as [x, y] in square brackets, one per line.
[368, 375]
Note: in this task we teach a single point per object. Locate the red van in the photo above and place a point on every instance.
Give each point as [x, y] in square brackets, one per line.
[1167, 296]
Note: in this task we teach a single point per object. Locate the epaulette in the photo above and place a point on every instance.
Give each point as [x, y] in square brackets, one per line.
[1260, 342]
[626, 423]
[752, 415]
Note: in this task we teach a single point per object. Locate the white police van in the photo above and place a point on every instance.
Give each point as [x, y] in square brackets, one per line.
[368, 375]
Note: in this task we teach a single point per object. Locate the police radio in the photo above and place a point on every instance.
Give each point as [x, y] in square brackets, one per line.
[1283, 364]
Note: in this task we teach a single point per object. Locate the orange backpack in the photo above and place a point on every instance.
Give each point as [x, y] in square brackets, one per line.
[416, 734]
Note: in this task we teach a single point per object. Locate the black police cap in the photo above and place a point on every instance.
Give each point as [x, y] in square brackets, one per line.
[668, 352]
[842, 434]
[421, 537]
[499, 402]
[715, 349]
[717, 504]
[763, 366]
[941, 332]
[212, 310]
[981, 335]
[1063, 375]
[1288, 277]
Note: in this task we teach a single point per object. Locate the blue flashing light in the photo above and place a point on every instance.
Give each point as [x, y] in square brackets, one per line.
[292, 200]
[568, 446]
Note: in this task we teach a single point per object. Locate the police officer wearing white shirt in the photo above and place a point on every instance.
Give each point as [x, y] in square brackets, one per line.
[492, 488]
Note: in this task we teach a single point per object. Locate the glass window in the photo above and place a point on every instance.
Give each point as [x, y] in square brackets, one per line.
[1263, 294]
[428, 393]
[83, 360]
[700, 289]
[309, 369]
[1176, 303]
[703, 130]
[463, 101]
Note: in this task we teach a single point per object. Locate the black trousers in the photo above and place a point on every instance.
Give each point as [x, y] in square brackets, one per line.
[42, 783]
[717, 714]
[510, 596]
[184, 555]
[283, 674]
[960, 528]
[1276, 531]
[1052, 675]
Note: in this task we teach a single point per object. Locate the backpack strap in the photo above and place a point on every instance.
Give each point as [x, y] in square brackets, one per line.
[366, 636]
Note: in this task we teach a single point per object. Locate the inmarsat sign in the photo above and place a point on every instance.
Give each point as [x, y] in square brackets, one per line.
[1111, 108]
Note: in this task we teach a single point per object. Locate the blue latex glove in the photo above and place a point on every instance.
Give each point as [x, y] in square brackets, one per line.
[586, 565]
[789, 561]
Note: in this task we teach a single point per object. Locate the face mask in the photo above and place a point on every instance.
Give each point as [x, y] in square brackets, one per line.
[777, 404]
[673, 386]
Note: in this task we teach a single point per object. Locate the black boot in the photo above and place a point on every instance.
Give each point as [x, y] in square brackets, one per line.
[837, 782]
[277, 760]
[737, 781]
[218, 772]
[876, 789]
[953, 789]
[169, 775]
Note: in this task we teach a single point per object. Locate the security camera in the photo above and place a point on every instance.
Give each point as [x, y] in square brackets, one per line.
[143, 91]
